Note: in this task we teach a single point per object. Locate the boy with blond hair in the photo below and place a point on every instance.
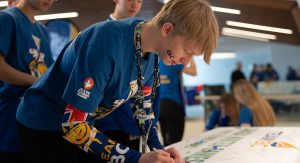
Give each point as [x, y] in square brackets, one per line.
[105, 66]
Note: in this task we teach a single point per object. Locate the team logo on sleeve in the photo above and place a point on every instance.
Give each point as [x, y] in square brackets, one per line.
[75, 114]
[88, 83]
[84, 92]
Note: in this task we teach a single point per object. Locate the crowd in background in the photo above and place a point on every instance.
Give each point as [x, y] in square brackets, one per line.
[263, 72]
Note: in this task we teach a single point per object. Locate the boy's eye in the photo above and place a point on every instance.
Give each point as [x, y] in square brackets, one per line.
[189, 52]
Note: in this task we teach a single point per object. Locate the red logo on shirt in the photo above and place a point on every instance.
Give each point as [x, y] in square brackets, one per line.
[147, 90]
[88, 83]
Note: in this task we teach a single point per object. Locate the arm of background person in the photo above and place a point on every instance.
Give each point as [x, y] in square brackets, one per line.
[14, 76]
[192, 69]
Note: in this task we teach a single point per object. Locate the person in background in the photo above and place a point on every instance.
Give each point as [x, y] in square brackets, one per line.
[125, 9]
[24, 57]
[12, 3]
[237, 74]
[172, 103]
[226, 115]
[291, 74]
[121, 125]
[255, 111]
[106, 65]
[270, 73]
[256, 75]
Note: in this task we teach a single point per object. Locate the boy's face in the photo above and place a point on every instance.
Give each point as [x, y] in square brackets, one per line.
[175, 49]
[41, 5]
[128, 8]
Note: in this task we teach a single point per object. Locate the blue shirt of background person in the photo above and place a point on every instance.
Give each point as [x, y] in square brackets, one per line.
[172, 100]
[216, 118]
[291, 74]
[270, 73]
[111, 52]
[25, 47]
[170, 87]
[229, 113]
[246, 116]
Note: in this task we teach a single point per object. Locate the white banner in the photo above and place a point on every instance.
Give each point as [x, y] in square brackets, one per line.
[249, 145]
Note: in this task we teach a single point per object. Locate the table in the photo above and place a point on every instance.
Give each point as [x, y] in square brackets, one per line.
[247, 145]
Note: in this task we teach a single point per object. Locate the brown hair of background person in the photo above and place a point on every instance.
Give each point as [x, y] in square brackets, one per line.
[230, 106]
[245, 93]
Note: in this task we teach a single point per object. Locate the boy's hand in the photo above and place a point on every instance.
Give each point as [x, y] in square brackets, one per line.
[174, 153]
[159, 156]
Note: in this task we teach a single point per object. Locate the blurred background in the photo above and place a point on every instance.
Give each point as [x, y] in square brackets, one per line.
[253, 32]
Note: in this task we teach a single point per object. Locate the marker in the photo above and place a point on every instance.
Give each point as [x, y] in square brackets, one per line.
[155, 150]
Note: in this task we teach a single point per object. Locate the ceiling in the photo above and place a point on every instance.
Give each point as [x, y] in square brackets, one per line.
[275, 13]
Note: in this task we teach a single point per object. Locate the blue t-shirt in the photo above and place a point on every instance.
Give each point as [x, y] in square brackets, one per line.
[24, 46]
[170, 84]
[246, 116]
[95, 73]
[122, 119]
[214, 119]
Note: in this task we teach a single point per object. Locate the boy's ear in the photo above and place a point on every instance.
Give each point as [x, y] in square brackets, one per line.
[166, 29]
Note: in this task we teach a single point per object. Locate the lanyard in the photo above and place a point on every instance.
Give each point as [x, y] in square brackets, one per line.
[140, 113]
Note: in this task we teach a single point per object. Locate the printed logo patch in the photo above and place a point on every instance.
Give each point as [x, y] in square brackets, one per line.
[88, 83]
[83, 93]
[147, 90]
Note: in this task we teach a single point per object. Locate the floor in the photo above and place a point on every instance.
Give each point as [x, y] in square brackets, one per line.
[193, 127]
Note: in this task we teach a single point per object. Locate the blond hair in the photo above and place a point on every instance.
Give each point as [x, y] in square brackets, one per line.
[192, 19]
[232, 108]
[263, 114]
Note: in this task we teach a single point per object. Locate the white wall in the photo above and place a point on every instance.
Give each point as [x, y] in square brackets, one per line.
[284, 55]
[248, 52]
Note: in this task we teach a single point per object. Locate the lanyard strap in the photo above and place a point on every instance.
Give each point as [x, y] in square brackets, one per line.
[139, 111]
